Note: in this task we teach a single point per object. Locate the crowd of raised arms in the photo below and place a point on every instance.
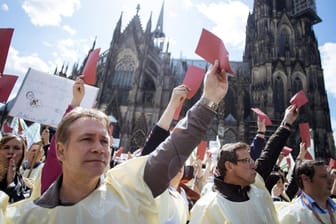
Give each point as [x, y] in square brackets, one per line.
[72, 176]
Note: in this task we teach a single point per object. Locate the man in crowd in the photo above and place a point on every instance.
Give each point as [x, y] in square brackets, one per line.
[313, 204]
[241, 196]
[127, 193]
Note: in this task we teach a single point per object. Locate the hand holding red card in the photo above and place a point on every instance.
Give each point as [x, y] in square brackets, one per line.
[193, 79]
[7, 83]
[90, 68]
[286, 150]
[299, 99]
[201, 148]
[262, 116]
[211, 48]
[305, 134]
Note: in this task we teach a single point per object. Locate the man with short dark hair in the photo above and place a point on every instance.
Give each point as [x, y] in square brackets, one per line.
[241, 195]
[313, 205]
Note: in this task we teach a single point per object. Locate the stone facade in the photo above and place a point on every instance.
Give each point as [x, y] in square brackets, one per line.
[137, 74]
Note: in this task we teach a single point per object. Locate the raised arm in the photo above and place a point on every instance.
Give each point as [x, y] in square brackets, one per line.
[164, 163]
[277, 141]
[161, 130]
[258, 142]
[52, 169]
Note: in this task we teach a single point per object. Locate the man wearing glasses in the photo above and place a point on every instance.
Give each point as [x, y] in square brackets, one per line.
[241, 196]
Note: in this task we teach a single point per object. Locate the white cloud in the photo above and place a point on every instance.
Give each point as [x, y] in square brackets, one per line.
[328, 55]
[18, 65]
[230, 22]
[187, 3]
[47, 44]
[333, 125]
[69, 30]
[49, 12]
[69, 51]
[4, 7]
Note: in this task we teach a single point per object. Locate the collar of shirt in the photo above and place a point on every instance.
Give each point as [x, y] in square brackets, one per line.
[232, 192]
[315, 206]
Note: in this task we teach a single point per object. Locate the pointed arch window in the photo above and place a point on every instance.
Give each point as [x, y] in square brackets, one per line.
[278, 96]
[230, 103]
[284, 42]
[123, 76]
[229, 137]
[148, 88]
[297, 85]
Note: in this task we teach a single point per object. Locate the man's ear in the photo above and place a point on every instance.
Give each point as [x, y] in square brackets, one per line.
[60, 148]
[305, 178]
[228, 165]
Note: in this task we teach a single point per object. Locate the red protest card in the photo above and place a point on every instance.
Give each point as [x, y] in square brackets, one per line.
[332, 163]
[178, 111]
[5, 39]
[90, 68]
[210, 47]
[299, 99]
[201, 148]
[305, 134]
[262, 116]
[7, 83]
[286, 150]
[308, 156]
[193, 79]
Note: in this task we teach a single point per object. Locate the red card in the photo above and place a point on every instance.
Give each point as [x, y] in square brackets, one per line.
[7, 83]
[308, 156]
[201, 148]
[5, 39]
[90, 69]
[299, 99]
[210, 48]
[262, 116]
[193, 79]
[178, 111]
[305, 134]
[286, 150]
[332, 163]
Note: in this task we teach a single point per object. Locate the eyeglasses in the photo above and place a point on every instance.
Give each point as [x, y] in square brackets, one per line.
[246, 161]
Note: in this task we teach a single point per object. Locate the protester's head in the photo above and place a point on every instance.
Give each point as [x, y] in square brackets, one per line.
[235, 164]
[83, 142]
[35, 152]
[13, 146]
[314, 178]
[275, 178]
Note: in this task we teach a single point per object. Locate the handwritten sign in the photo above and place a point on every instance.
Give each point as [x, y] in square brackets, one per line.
[43, 98]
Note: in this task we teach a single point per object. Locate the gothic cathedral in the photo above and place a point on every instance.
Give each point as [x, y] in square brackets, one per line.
[137, 74]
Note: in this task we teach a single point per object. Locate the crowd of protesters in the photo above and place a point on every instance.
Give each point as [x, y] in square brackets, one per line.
[68, 177]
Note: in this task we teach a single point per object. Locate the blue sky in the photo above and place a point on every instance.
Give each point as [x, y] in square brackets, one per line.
[49, 33]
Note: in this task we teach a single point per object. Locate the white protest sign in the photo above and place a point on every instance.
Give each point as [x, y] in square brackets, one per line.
[43, 98]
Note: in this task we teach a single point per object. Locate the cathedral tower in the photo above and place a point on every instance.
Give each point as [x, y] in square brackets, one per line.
[135, 80]
[282, 52]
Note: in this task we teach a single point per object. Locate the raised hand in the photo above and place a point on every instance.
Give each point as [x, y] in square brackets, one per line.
[78, 91]
[11, 169]
[215, 84]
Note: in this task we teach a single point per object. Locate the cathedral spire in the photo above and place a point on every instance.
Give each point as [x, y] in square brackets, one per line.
[117, 30]
[149, 24]
[158, 33]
